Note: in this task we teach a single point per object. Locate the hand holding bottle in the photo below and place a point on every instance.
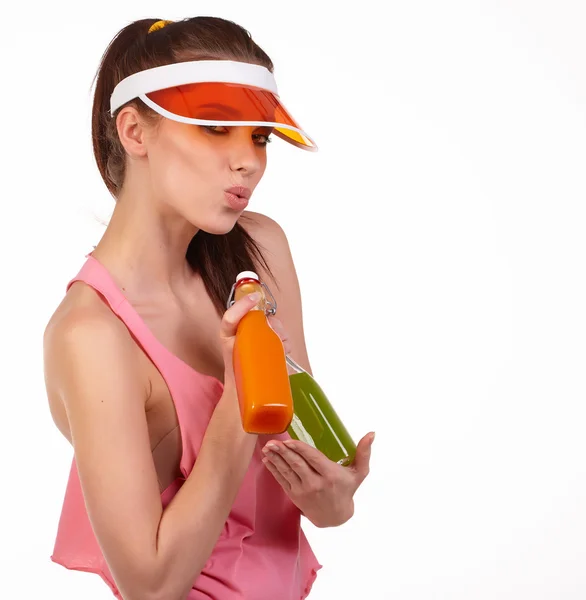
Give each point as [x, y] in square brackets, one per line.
[322, 489]
[225, 424]
[260, 365]
[229, 328]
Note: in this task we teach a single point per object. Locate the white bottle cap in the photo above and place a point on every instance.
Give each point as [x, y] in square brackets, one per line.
[246, 274]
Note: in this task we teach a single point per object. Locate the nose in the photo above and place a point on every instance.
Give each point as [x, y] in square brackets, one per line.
[245, 155]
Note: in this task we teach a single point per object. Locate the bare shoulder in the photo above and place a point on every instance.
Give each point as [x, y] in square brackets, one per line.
[82, 336]
[272, 239]
[79, 302]
[281, 276]
[80, 312]
[265, 231]
[284, 281]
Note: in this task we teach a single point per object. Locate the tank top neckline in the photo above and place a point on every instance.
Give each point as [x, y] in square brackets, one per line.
[186, 366]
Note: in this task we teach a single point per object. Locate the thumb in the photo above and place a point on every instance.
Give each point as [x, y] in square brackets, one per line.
[362, 458]
[233, 316]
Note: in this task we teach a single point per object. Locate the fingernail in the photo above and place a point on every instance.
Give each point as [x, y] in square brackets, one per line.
[270, 447]
[372, 437]
[255, 297]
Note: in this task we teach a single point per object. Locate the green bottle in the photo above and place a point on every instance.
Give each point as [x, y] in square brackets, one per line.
[315, 422]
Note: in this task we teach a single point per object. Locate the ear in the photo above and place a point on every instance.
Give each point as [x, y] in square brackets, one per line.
[132, 132]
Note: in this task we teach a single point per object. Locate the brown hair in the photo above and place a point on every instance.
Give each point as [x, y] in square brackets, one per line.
[217, 258]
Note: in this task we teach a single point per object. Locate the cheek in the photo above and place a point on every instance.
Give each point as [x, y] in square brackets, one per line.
[181, 166]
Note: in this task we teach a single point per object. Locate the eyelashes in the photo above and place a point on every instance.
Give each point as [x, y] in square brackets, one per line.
[212, 130]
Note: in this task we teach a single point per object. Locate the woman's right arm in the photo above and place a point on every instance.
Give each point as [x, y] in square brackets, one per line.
[153, 554]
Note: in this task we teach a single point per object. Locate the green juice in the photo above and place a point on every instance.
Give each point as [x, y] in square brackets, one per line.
[316, 423]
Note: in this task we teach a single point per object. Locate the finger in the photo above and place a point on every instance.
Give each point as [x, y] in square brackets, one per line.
[234, 314]
[275, 324]
[280, 330]
[295, 461]
[284, 469]
[317, 460]
[276, 474]
[361, 463]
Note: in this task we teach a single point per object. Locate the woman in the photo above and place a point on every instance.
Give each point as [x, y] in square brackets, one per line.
[168, 497]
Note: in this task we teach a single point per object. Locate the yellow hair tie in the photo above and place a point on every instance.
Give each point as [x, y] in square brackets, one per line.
[158, 25]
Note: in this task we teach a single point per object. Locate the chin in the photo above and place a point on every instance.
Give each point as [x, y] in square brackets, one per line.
[219, 225]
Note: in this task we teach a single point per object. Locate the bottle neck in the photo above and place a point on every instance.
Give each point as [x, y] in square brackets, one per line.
[294, 366]
[249, 286]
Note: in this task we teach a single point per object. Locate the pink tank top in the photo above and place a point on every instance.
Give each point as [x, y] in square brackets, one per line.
[262, 552]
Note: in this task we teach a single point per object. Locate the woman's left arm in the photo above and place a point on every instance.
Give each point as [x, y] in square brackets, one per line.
[322, 489]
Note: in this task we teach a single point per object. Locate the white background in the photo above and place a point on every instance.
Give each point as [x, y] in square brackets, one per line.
[445, 310]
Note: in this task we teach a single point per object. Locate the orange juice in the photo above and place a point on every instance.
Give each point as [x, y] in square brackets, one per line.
[260, 367]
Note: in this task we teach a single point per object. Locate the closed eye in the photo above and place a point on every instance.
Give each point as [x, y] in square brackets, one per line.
[262, 139]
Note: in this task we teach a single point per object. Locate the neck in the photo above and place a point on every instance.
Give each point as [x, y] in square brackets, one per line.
[146, 249]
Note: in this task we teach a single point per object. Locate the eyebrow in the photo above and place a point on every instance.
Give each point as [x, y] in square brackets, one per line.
[224, 107]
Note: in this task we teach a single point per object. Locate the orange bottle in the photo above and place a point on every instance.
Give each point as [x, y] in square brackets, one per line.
[260, 366]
